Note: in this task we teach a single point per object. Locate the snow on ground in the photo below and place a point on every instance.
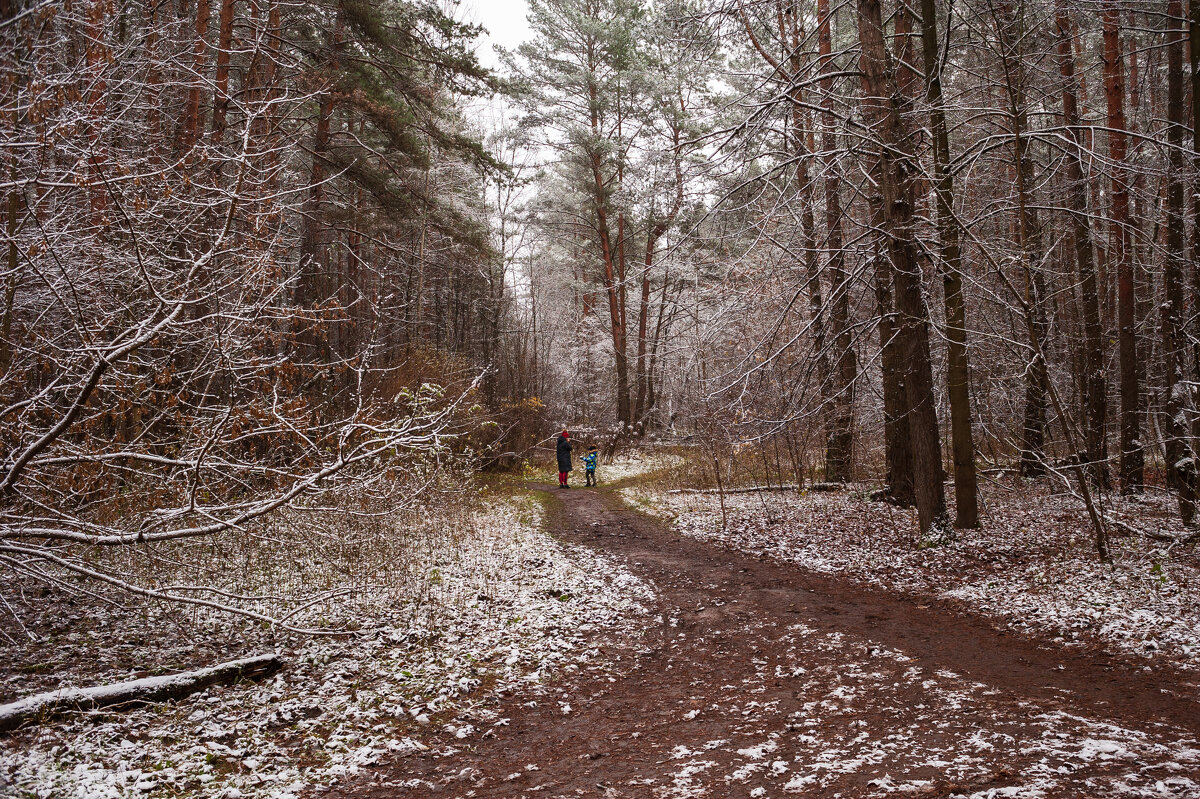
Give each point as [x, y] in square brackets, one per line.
[625, 466]
[1031, 566]
[870, 715]
[506, 607]
[637, 464]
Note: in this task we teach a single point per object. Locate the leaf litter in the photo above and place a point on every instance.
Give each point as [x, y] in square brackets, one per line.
[510, 611]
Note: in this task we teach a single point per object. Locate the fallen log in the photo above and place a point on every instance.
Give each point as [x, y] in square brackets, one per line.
[759, 489]
[1186, 537]
[135, 692]
[747, 490]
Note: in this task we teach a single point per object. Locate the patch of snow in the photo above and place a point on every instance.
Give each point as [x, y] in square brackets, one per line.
[492, 611]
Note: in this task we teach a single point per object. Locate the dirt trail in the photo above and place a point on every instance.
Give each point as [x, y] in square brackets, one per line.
[763, 680]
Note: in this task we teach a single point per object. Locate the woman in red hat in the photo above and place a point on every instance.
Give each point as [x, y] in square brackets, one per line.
[562, 448]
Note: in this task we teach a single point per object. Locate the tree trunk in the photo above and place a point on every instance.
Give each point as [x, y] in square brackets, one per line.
[840, 439]
[1095, 386]
[645, 392]
[10, 287]
[804, 187]
[1194, 320]
[221, 88]
[624, 409]
[966, 489]
[893, 214]
[1142, 282]
[662, 324]
[1181, 469]
[896, 441]
[613, 271]
[259, 82]
[309, 289]
[12, 226]
[1194, 63]
[639, 399]
[1131, 466]
[1011, 34]
[191, 115]
[789, 66]
[616, 309]
[417, 326]
[97, 55]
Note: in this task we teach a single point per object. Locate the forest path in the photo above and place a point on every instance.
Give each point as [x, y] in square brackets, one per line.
[764, 680]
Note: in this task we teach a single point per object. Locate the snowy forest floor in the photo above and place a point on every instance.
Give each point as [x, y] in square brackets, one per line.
[491, 606]
[569, 645]
[1031, 567]
[760, 679]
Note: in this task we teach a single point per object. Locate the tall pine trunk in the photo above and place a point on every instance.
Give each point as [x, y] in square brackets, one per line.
[966, 489]
[839, 442]
[1140, 246]
[1181, 469]
[221, 87]
[310, 289]
[613, 277]
[897, 443]
[643, 331]
[1131, 465]
[1194, 319]
[1095, 387]
[643, 397]
[793, 41]
[191, 114]
[788, 66]
[893, 214]
[97, 55]
[1010, 34]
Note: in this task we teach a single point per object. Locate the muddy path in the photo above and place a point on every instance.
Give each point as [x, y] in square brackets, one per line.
[763, 680]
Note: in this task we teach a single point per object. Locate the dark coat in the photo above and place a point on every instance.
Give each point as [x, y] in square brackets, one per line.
[562, 448]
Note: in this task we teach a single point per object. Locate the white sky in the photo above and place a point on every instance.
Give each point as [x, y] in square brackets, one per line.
[505, 22]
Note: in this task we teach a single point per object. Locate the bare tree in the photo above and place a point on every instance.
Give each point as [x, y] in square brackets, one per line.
[892, 209]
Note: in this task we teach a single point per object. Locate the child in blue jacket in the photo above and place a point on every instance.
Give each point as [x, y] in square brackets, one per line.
[589, 465]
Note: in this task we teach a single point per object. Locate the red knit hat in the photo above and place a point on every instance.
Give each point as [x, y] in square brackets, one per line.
[565, 433]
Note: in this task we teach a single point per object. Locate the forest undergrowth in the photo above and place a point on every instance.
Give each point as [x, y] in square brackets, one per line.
[427, 610]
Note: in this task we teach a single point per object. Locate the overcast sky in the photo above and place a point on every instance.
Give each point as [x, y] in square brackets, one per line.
[505, 22]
